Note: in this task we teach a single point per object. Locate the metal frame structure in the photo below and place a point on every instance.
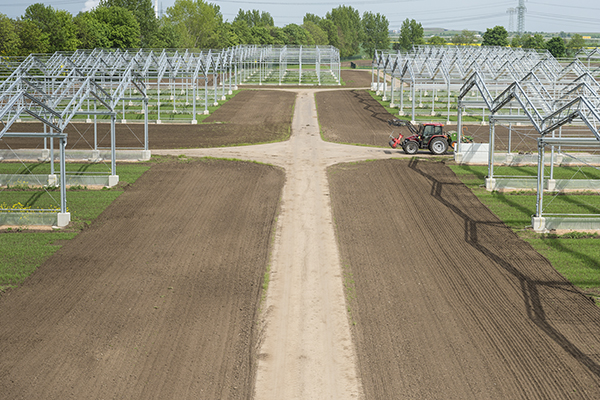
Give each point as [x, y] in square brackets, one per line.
[547, 109]
[57, 89]
[508, 86]
[289, 65]
[441, 69]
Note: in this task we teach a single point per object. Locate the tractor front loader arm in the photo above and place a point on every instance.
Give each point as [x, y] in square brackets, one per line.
[401, 122]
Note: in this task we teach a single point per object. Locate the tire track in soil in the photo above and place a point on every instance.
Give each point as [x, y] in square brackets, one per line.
[449, 302]
[158, 299]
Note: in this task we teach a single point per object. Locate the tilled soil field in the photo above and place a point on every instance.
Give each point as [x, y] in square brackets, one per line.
[448, 303]
[356, 78]
[158, 299]
[356, 117]
[352, 117]
[239, 121]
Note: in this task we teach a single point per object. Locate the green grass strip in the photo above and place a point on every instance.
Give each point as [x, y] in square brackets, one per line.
[574, 255]
[21, 251]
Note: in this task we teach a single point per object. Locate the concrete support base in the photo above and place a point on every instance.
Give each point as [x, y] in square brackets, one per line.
[146, 154]
[113, 180]
[194, 121]
[215, 103]
[490, 184]
[558, 159]
[158, 121]
[538, 224]
[551, 185]
[206, 112]
[45, 155]
[509, 159]
[63, 219]
[95, 156]
[52, 180]
[88, 121]
[123, 121]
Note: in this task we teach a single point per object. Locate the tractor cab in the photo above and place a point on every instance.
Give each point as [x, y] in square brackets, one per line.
[430, 130]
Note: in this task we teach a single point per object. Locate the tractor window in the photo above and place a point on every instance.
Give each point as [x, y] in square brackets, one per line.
[438, 130]
[428, 131]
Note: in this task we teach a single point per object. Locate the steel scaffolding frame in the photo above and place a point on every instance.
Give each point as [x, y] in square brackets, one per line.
[513, 86]
[446, 68]
[289, 65]
[547, 109]
[55, 89]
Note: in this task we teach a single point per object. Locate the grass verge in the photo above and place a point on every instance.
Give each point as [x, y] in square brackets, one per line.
[575, 255]
[22, 250]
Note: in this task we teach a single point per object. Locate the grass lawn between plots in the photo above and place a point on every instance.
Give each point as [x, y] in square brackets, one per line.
[575, 255]
[22, 250]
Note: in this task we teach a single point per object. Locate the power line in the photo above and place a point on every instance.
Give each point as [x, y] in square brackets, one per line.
[562, 17]
[279, 3]
[564, 6]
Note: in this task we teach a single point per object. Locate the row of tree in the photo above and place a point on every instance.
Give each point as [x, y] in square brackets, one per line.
[197, 24]
[498, 36]
[194, 24]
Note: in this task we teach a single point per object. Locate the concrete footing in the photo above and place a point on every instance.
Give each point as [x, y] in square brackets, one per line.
[146, 154]
[63, 219]
[52, 180]
[581, 224]
[113, 180]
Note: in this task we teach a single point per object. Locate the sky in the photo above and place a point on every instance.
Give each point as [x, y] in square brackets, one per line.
[476, 15]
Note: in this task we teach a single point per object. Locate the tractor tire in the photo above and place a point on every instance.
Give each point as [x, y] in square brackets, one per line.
[438, 146]
[410, 147]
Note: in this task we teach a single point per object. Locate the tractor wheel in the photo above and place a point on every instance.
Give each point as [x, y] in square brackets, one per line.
[410, 147]
[438, 146]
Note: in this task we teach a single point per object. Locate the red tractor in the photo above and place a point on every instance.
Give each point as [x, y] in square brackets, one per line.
[426, 136]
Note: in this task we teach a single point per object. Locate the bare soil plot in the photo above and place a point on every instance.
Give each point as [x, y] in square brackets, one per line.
[356, 78]
[249, 117]
[356, 117]
[158, 299]
[352, 117]
[448, 302]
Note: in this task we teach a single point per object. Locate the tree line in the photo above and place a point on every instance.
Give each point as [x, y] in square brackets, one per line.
[499, 36]
[193, 24]
[197, 24]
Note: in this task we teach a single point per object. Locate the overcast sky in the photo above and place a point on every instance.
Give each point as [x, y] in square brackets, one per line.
[546, 16]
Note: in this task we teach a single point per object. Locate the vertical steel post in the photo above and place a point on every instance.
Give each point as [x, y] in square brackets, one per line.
[491, 154]
[458, 127]
[63, 176]
[146, 123]
[540, 180]
[113, 151]
[412, 91]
